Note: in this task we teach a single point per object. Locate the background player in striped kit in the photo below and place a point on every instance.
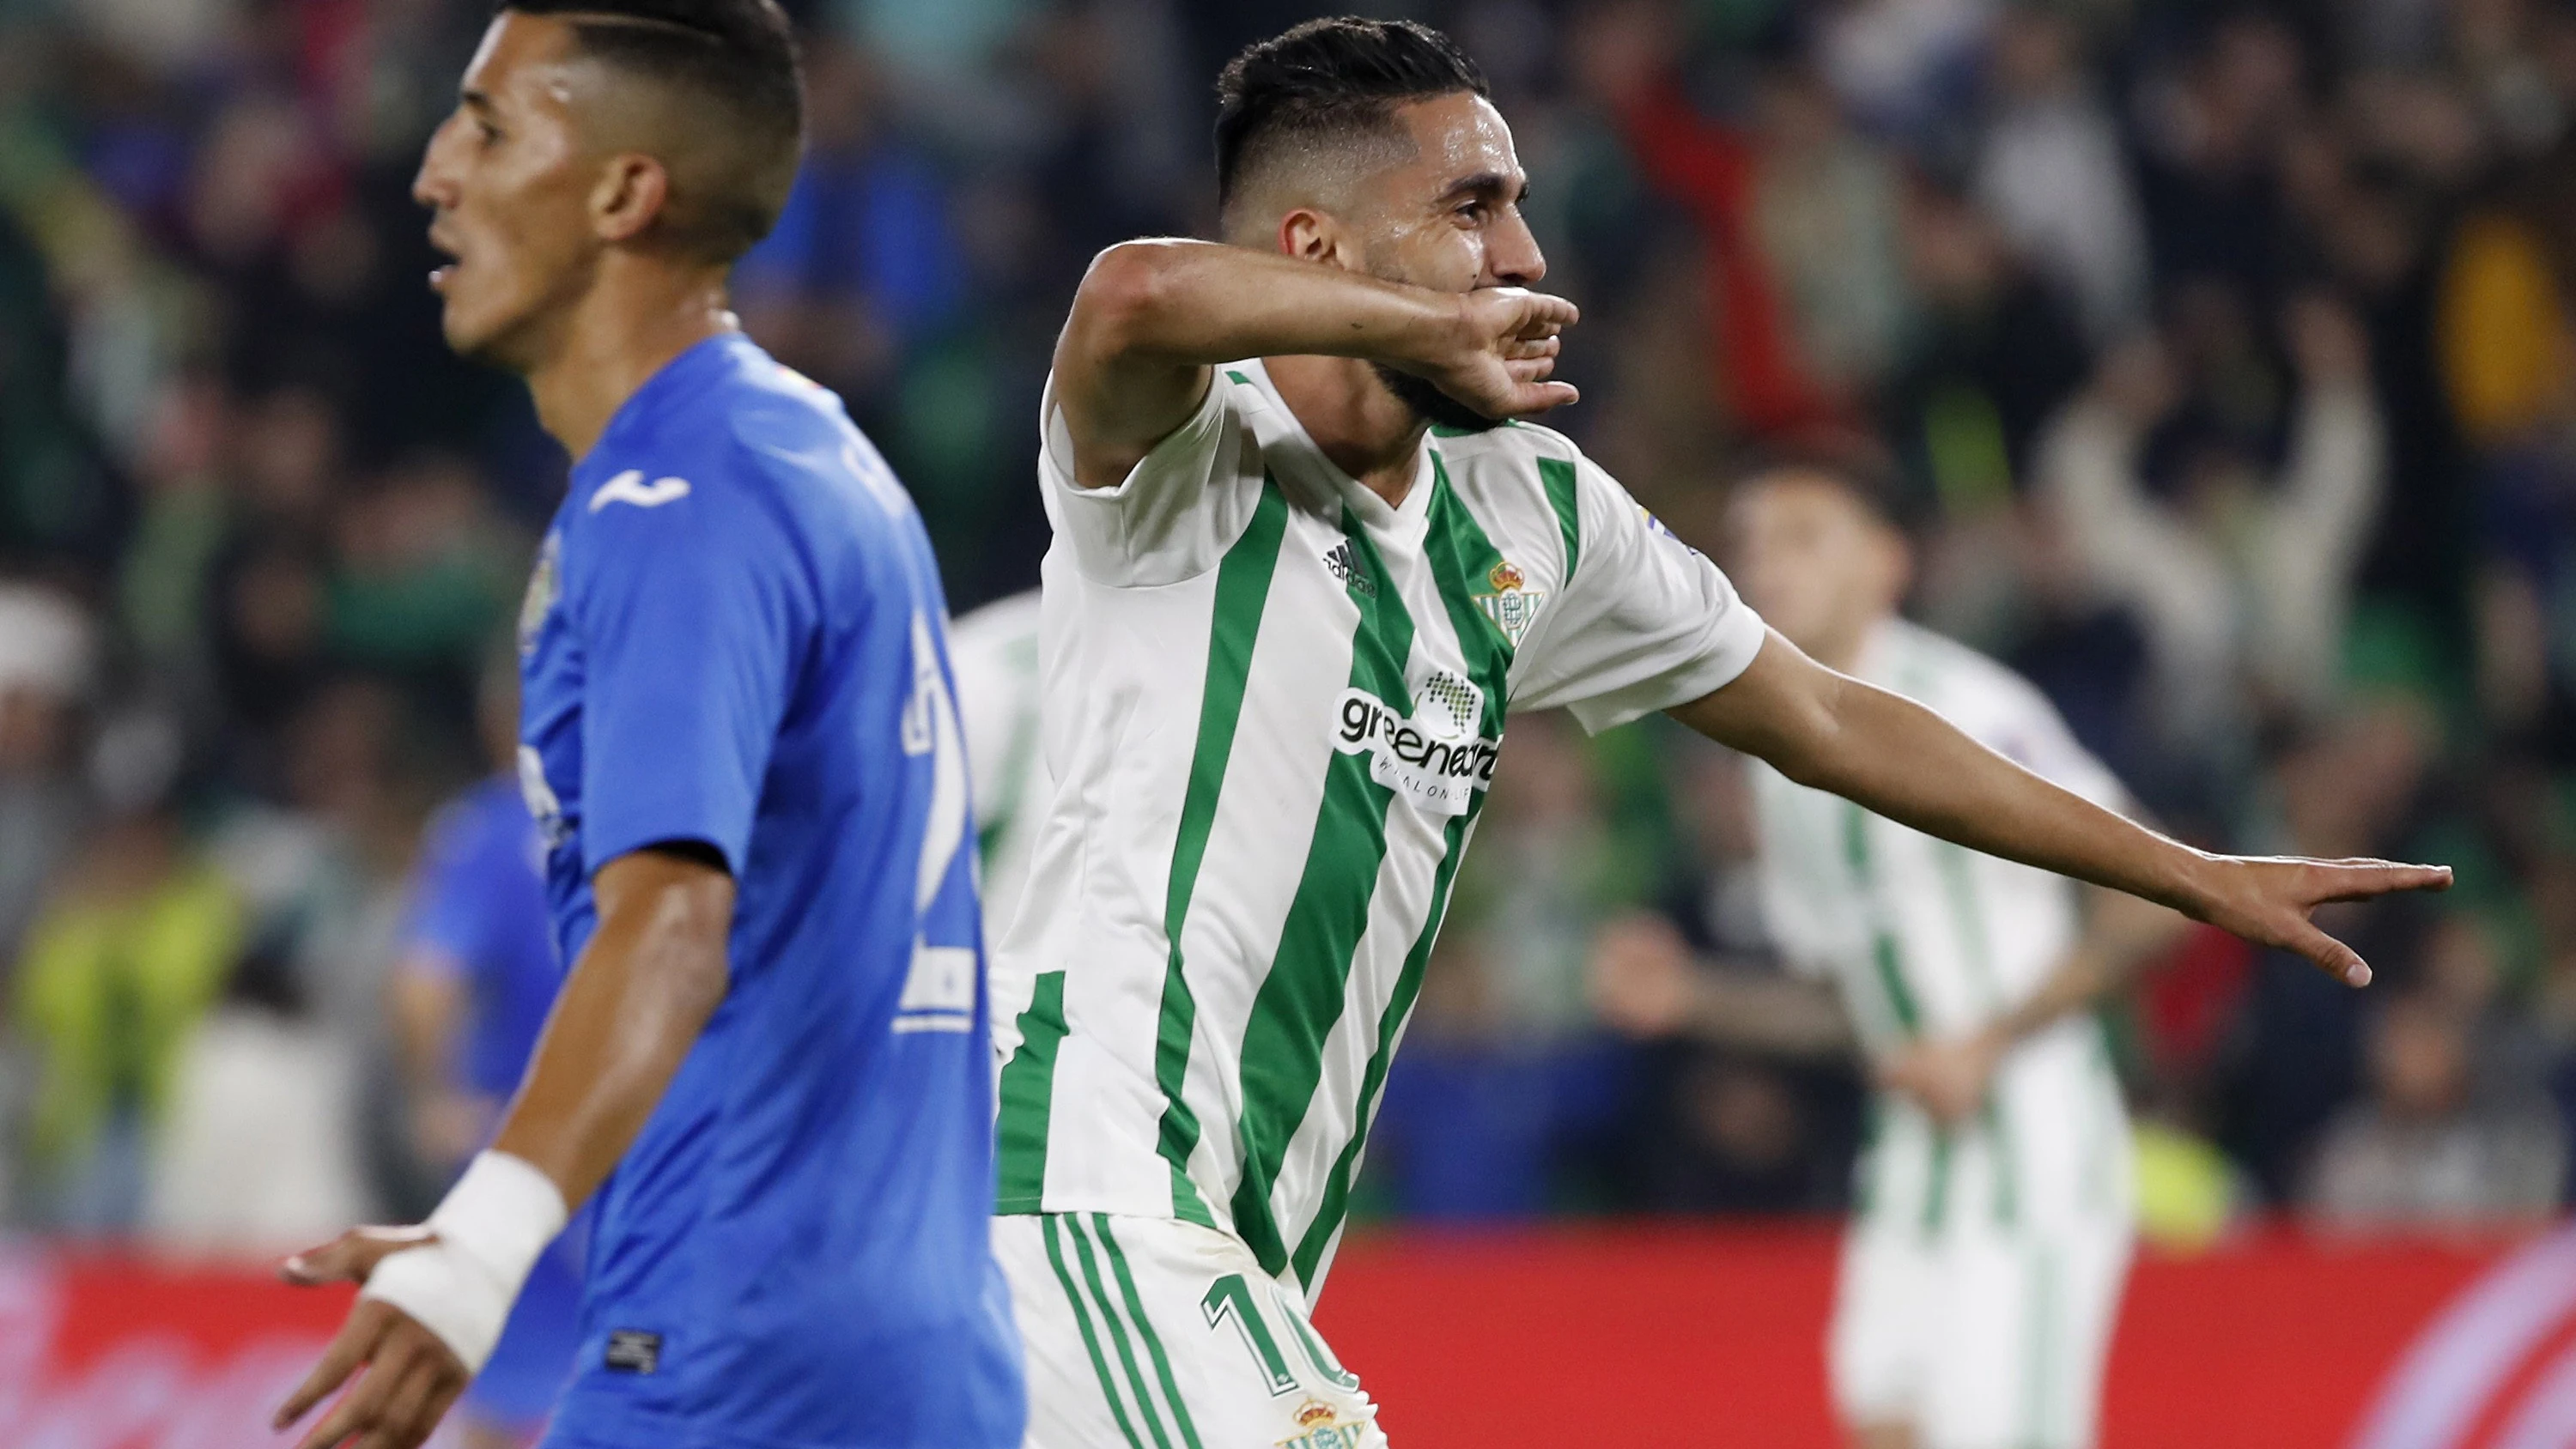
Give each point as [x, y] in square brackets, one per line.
[1299, 575]
[1991, 1228]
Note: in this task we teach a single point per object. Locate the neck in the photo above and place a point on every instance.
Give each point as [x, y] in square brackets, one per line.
[1360, 425]
[631, 322]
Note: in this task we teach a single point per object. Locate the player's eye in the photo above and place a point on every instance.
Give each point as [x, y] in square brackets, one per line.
[487, 133]
[1474, 211]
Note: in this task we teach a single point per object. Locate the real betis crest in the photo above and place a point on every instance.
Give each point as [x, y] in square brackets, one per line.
[1511, 607]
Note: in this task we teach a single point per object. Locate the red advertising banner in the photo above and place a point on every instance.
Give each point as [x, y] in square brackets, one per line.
[1690, 1335]
[1635, 1336]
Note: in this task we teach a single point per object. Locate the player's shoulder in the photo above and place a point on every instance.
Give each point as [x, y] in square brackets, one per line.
[1511, 443]
[758, 442]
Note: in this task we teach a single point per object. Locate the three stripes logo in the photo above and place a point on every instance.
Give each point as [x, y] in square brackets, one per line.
[1345, 566]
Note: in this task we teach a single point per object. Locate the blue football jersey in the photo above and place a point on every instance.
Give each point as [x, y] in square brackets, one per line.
[735, 637]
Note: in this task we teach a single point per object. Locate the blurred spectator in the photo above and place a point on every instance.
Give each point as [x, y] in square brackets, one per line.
[2424, 1147]
[2241, 580]
[117, 973]
[46, 652]
[862, 266]
[2052, 171]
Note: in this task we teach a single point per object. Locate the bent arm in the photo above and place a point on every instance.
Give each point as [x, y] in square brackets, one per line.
[1835, 733]
[629, 1013]
[1151, 317]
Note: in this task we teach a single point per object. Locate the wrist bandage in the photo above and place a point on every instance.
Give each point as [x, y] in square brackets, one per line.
[491, 1227]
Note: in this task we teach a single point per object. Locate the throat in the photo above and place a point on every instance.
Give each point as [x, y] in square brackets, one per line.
[1362, 428]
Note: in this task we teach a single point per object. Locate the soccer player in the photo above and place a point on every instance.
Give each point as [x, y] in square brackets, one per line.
[1301, 572]
[469, 995]
[769, 1057]
[1991, 1230]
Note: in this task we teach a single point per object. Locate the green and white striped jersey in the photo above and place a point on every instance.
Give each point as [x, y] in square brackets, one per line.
[1272, 705]
[1926, 939]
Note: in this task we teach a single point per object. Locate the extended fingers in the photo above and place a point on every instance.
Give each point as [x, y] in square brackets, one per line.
[1546, 314]
[2331, 956]
[328, 1263]
[362, 1407]
[2360, 880]
[349, 1348]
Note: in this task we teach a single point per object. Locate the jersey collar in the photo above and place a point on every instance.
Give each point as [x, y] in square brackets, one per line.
[698, 367]
[1284, 438]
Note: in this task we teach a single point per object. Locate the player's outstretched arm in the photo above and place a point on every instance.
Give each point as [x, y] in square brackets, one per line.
[437, 1294]
[1901, 760]
[1151, 318]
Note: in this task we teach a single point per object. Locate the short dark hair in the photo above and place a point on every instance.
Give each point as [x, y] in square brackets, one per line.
[1325, 78]
[740, 57]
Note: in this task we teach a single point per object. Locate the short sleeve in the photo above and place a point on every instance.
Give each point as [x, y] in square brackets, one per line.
[1645, 623]
[692, 612]
[1175, 513]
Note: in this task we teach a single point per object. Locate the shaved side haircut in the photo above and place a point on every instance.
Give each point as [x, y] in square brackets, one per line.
[1327, 83]
[732, 141]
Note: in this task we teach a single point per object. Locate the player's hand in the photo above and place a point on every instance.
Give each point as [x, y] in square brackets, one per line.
[1498, 352]
[1641, 976]
[1947, 1079]
[411, 1376]
[2267, 900]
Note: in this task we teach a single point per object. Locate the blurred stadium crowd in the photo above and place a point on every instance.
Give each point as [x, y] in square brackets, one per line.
[2221, 353]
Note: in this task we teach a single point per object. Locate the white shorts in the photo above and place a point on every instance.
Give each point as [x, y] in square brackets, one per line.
[1154, 1334]
[1979, 1339]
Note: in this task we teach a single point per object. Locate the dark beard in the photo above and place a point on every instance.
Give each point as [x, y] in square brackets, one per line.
[1431, 404]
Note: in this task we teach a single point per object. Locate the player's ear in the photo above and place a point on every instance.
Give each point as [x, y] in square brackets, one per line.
[1310, 235]
[633, 190]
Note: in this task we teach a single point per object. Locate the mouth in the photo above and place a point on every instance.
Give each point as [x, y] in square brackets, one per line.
[441, 275]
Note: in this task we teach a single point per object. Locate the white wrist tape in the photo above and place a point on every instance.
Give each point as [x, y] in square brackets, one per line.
[491, 1228]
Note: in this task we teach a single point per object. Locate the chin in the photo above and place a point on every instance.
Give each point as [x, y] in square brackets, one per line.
[1432, 405]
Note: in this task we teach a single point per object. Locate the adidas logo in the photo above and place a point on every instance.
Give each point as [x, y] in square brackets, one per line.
[1345, 565]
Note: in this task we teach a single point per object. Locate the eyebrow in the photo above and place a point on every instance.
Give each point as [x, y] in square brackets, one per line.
[475, 100]
[1490, 183]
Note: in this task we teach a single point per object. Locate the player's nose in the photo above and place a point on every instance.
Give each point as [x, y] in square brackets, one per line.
[434, 185]
[1512, 252]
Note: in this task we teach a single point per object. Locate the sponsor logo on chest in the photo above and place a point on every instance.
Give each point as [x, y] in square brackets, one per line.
[1436, 759]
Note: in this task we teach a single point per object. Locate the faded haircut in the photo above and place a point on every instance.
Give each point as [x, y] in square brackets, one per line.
[1332, 80]
[735, 64]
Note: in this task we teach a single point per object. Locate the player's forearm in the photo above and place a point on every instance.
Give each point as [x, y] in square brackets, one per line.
[1895, 757]
[629, 1013]
[1759, 1013]
[1191, 303]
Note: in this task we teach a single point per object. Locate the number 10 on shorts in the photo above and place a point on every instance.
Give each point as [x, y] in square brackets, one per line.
[1231, 1297]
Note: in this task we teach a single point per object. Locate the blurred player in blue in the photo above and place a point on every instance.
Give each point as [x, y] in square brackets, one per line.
[769, 1058]
[470, 993]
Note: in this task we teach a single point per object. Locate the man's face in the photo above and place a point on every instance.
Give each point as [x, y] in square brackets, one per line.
[1816, 564]
[1450, 220]
[508, 181]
